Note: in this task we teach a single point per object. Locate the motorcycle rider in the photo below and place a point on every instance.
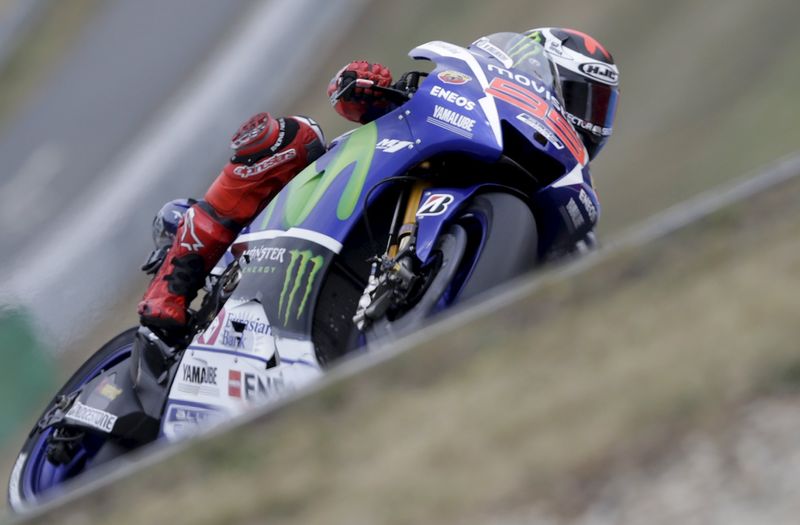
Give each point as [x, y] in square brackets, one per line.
[269, 152]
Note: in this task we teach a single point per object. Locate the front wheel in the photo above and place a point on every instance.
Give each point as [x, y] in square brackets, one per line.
[492, 241]
[34, 474]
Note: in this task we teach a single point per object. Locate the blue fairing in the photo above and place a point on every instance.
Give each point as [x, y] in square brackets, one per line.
[450, 113]
[465, 106]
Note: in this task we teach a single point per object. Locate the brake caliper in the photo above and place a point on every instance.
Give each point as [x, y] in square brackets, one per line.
[390, 284]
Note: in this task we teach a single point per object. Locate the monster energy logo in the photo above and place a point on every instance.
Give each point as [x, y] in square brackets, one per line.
[524, 48]
[296, 275]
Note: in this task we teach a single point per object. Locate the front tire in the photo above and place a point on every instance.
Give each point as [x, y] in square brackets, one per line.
[492, 241]
[33, 474]
[509, 241]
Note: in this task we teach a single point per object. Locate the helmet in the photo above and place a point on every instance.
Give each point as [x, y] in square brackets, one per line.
[165, 223]
[589, 82]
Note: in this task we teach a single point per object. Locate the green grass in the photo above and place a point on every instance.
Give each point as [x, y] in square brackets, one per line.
[28, 372]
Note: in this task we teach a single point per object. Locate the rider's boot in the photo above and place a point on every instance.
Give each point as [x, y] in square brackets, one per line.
[200, 241]
[268, 153]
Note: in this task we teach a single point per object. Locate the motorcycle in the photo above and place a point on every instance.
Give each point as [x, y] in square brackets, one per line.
[475, 177]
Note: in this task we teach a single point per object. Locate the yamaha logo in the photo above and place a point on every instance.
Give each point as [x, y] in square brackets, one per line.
[600, 72]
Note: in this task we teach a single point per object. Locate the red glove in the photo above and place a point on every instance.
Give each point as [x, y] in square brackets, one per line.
[351, 90]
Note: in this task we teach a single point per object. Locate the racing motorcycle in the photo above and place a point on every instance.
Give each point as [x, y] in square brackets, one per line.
[475, 177]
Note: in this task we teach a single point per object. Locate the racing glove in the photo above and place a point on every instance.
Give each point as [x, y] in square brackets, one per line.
[352, 94]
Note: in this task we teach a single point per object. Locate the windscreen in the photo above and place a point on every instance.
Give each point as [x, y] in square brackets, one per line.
[519, 52]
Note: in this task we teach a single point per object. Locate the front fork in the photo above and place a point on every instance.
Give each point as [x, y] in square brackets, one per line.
[405, 235]
[392, 275]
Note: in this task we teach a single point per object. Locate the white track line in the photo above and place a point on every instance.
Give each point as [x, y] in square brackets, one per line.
[650, 230]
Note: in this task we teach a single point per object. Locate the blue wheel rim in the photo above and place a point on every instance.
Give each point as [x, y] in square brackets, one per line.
[39, 474]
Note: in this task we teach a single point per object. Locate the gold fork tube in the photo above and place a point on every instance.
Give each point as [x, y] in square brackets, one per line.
[410, 216]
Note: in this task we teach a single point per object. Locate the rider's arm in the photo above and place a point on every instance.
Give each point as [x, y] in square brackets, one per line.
[360, 103]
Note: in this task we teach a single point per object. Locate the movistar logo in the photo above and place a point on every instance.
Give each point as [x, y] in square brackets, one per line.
[302, 269]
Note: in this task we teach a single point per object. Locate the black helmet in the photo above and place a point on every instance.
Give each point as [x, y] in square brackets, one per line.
[589, 82]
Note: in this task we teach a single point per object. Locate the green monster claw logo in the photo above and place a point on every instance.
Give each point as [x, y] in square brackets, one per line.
[295, 275]
[522, 48]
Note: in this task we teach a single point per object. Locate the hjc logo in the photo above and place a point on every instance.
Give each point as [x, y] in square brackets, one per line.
[599, 72]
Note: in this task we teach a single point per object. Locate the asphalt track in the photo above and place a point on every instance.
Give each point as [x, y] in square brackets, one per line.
[635, 238]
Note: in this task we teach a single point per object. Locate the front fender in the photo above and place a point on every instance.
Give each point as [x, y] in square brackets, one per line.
[438, 208]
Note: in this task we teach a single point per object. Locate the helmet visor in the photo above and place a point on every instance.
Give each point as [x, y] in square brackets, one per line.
[594, 105]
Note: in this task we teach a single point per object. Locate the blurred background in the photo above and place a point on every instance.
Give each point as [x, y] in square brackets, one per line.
[109, 108]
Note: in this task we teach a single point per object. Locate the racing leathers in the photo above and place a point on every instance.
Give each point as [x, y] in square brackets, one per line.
[268, 153]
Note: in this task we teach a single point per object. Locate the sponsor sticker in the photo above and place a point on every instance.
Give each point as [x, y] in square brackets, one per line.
[250, 386]
[541, 129]
[452, 121]
[195, 416]
[264, 259]
[588, 126]
[588, 205]
[486, 45]
[519, 78]
[575, 214]
[393, 145]
[435, 204]
[453, 97]
[200, 375]
[91, 417]
[265, 253]
[454, 77]
[197, 377]
[108, 389]
[264, 165]
[234, 383]
[184, 421]
[240, 325]
[298, 283]
[601, 72]
[554, 46]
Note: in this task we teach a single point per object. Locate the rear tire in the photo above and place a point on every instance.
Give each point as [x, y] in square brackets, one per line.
[33, 474]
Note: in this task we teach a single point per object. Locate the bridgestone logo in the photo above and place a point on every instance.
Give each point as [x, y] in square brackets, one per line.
[302, 270]
[92, 417]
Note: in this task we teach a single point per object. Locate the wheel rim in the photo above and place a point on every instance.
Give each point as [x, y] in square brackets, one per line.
[39, 474]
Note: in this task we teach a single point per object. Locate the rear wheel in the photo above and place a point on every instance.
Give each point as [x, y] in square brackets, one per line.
[34, 474]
